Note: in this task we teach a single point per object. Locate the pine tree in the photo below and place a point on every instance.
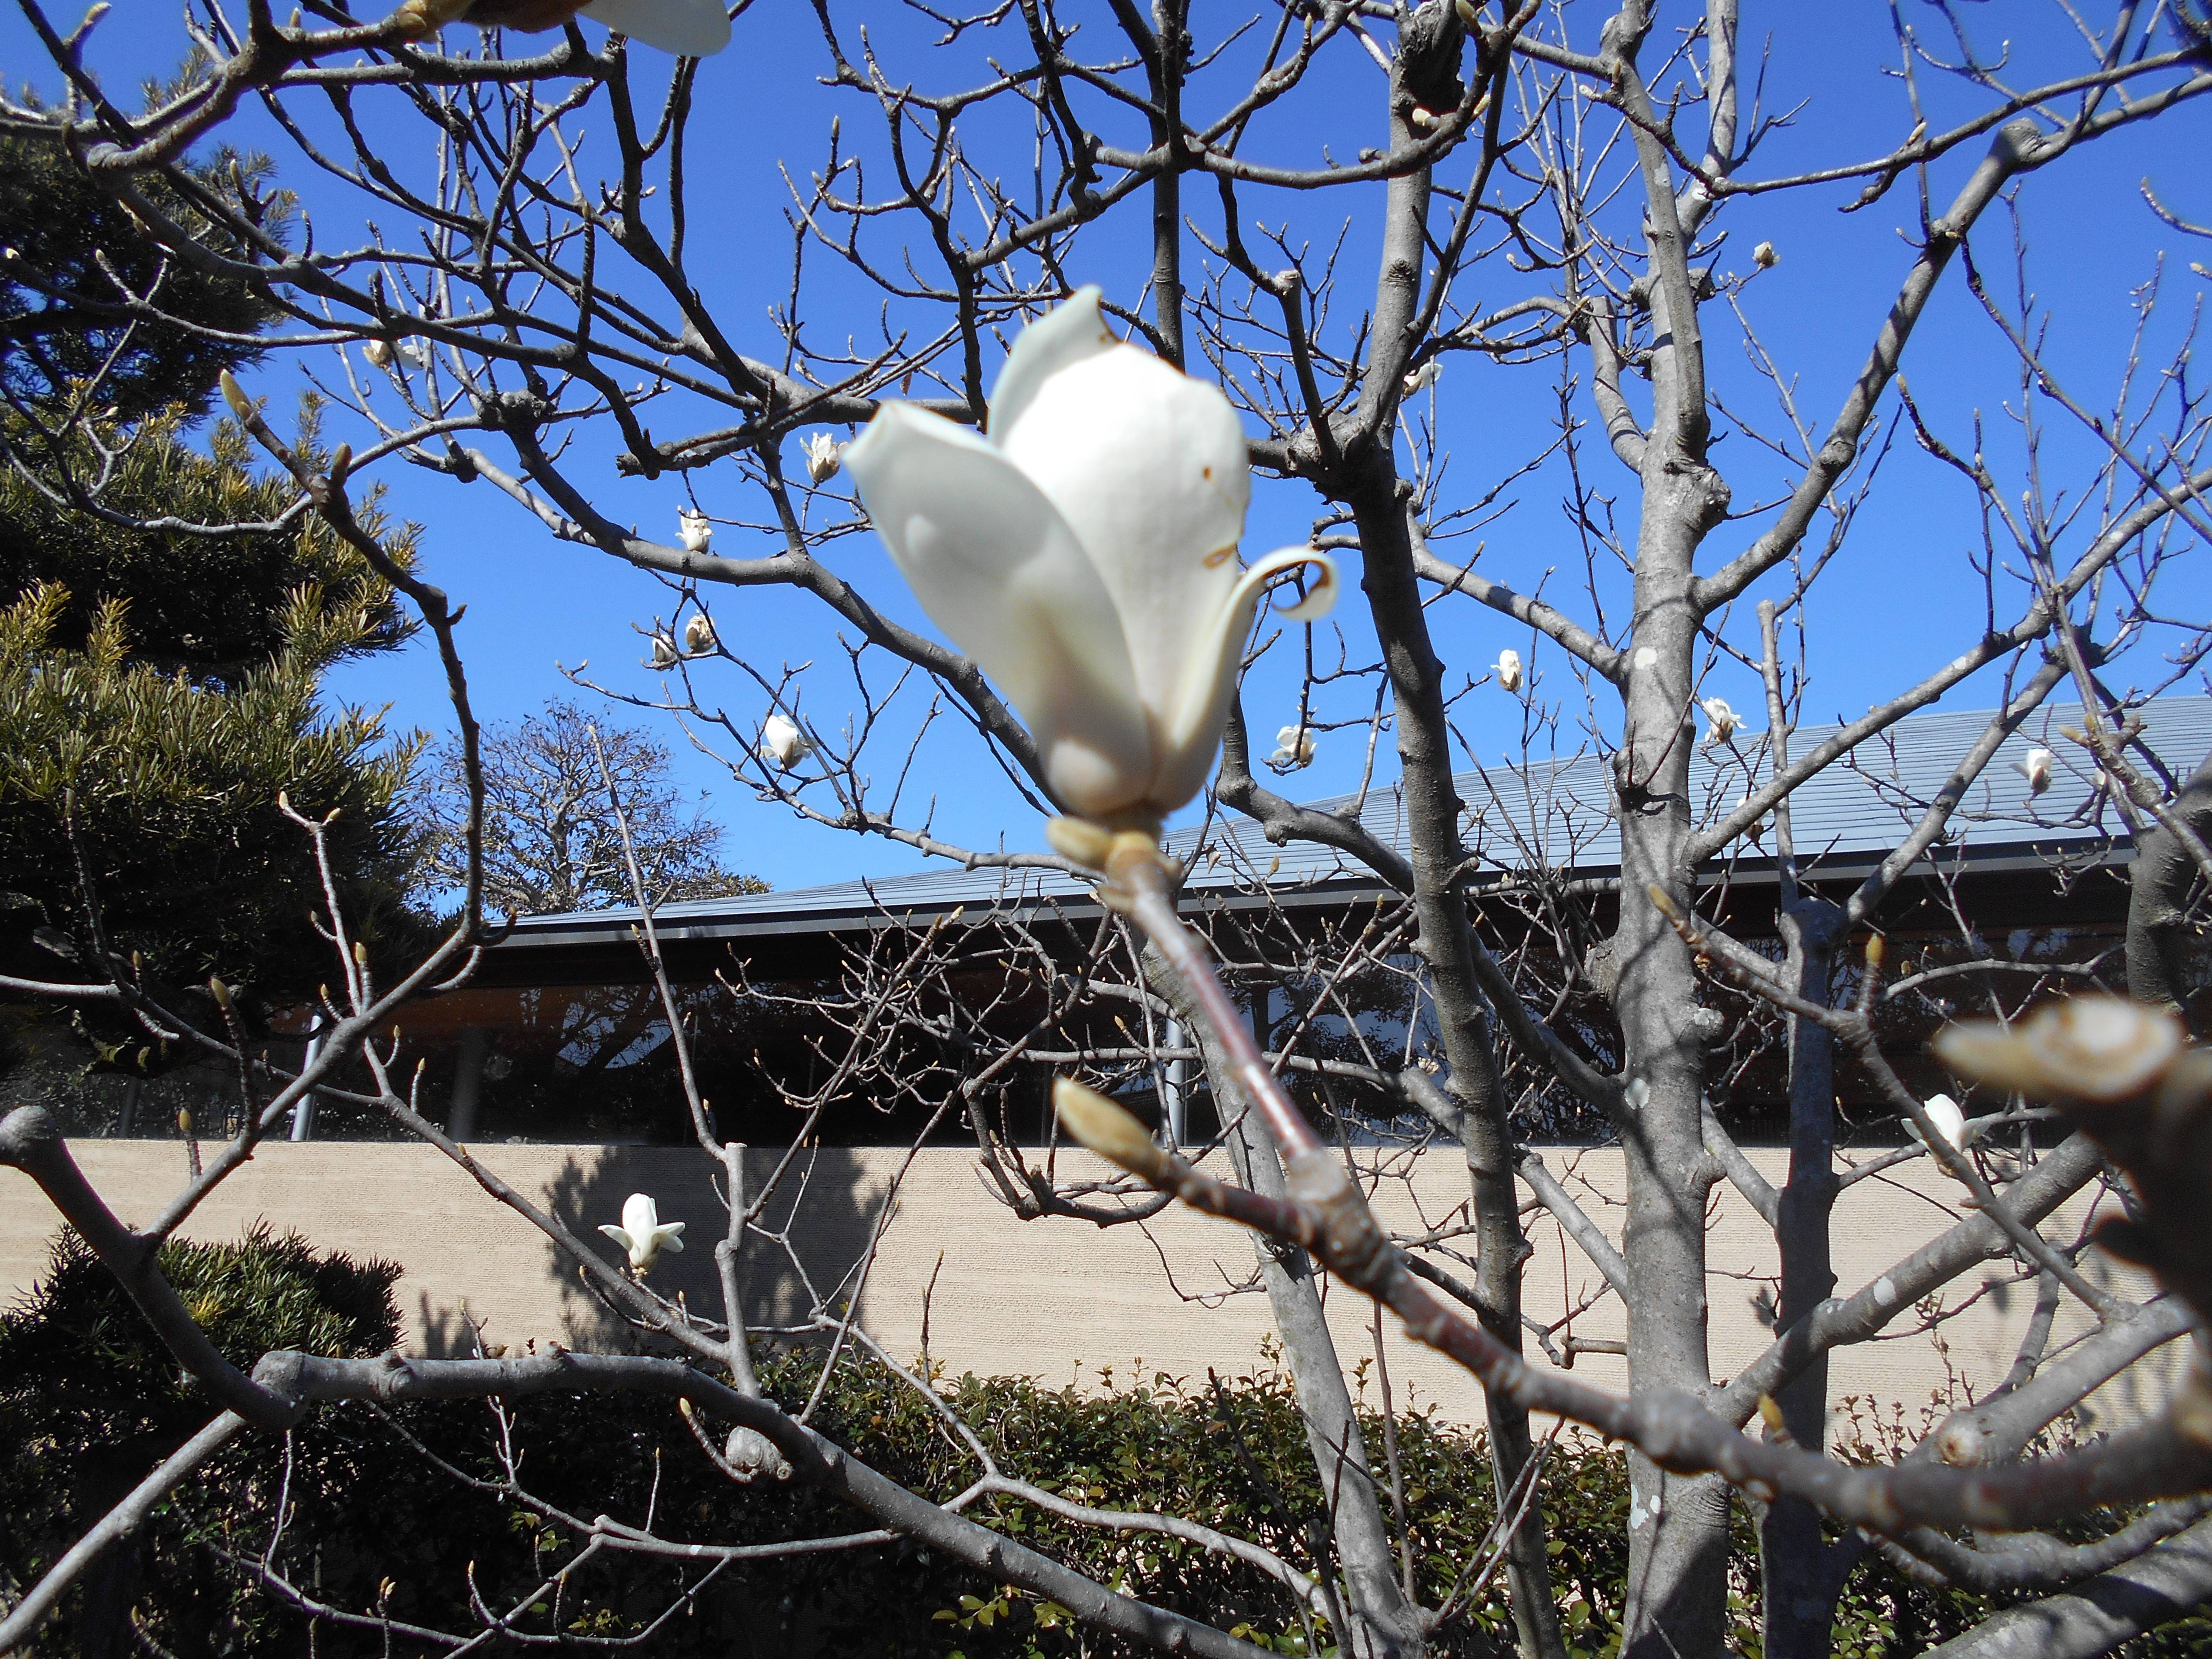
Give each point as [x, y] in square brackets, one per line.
[165, 617]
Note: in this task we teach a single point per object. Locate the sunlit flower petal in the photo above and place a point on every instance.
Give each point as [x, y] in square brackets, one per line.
[997, 568]
[643, 1236]
[689, 28]
[824, 455]
[1084, 553]
[782, 742]
[1725, 721]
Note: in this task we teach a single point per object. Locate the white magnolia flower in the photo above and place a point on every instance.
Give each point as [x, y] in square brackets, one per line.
[1508, 670]
[1085, 556]
[1424, 377]
[2036, 769]
[379, 353]
[1725, 720]
[782, 742]
[643, 1234]
[1764, 257]
[415, 353]
[699, 634]
[824, 455]
[665, 653]
[695, 529]
[1950, 1123]
[687, 28]
[1294, 747]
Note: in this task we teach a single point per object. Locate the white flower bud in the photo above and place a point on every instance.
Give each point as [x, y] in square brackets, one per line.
[782, 742]
[1764, 257]
[694, 529]
[1950, 1123]
[2036, 769]
[699, 634]
[664, 654]
[1508, 670]
[379, 353]
[685, 28]
[824, 455]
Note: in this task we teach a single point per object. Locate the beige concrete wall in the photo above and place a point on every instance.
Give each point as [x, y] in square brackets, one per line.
[1058, 1299]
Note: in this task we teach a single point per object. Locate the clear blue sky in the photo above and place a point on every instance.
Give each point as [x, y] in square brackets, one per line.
[1899, 598]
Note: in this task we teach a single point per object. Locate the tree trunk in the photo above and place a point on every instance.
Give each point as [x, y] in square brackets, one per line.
[1678, 1527]
[2161, 882]
[1433, 809]
[1796, 1566]
[1385, 1625]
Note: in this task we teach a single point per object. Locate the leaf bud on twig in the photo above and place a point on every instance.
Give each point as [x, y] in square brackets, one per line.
[1103, 1126]
[1079, 841]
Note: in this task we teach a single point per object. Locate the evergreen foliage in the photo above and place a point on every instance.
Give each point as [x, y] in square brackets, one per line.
[172, 790]
[379, 1529]
[169, 612]
[78, 267]
[214, 606]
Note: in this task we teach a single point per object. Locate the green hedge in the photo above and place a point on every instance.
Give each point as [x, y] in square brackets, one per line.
[396, 1512]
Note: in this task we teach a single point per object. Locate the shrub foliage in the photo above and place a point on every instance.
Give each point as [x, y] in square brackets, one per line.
[390, 1516]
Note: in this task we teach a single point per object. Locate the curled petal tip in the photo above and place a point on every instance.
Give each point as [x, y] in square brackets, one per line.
[1320, 598]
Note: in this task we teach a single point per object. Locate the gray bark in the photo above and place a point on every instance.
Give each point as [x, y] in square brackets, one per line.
[1678, 1557]
[2163, 1583]
[1385, 1625]
[2160, 885]
[1432, 822]
[1369, 484]
[1796, 1576]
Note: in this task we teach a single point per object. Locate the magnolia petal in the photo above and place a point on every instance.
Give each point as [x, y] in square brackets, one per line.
[1000, 572]
[1148, 467]
[1192, 730]
[669, 1236]
[1063, 336]
[689, 28]
[620, 1235]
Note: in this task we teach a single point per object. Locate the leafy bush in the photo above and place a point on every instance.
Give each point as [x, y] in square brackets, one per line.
[392, 1514]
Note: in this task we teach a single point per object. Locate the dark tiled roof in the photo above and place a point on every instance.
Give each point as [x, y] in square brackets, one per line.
[1551, 813]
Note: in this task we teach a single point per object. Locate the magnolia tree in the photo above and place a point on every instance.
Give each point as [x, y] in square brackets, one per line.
[1423, 265]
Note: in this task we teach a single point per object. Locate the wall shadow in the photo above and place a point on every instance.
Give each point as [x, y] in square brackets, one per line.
[826, 1207]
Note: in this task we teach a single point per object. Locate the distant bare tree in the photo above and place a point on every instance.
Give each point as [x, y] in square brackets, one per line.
[552, 840]
[1544, 196]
